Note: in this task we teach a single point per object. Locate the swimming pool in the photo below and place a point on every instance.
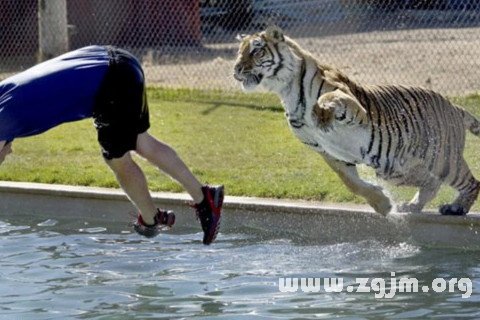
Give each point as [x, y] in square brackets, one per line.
[55, 266]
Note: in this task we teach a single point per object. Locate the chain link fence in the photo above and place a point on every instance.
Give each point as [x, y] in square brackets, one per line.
[191, 43]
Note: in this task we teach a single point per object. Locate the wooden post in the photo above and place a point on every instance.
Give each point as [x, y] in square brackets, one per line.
[52, 28]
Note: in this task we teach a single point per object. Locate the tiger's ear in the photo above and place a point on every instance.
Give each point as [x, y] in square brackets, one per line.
[240, 37]
[275, 34]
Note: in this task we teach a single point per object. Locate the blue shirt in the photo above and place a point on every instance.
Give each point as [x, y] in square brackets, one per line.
[59, 90]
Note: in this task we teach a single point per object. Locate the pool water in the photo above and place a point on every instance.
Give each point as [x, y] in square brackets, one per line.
[54, 269]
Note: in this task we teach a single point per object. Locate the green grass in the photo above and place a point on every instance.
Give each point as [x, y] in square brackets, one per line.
[239, 140]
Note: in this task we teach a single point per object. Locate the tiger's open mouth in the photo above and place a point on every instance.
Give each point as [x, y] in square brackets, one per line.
[248, 80]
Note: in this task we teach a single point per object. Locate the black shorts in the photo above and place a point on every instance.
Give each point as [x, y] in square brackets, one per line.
[120, 112]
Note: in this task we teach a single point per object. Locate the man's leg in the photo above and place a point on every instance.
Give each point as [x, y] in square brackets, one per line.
[167, 160]
[121, 112]
[5, 149]
[208, 199]
[133, 182]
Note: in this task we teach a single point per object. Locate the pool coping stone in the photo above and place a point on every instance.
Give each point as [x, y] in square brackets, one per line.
[231, 202]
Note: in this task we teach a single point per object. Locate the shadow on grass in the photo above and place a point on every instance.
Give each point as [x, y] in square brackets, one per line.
[215, 104]
[217, 98]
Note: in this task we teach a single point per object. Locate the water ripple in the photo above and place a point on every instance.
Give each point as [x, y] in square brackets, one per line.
[49, 273]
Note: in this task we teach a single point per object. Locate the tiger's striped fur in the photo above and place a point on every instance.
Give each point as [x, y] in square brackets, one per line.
[408, 135]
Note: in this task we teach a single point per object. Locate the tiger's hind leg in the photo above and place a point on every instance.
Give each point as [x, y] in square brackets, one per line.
[426, 193]
[467, 186]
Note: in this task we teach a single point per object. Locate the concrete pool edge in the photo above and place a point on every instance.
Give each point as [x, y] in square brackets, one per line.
[314, 222]
[58, 192]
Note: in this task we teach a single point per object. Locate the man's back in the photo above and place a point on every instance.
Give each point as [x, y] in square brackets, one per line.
[59, 90]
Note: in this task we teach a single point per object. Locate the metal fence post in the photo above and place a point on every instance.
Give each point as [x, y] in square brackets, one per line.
[52, 28]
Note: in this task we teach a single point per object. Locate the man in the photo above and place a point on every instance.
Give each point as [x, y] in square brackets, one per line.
[108, 84]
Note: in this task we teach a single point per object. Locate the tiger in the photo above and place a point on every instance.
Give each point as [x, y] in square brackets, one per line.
[410, 136]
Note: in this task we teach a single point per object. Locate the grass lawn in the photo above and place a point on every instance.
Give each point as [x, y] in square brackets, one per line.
[239, 140]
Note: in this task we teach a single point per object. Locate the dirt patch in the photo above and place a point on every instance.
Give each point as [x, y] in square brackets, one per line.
[445, 60]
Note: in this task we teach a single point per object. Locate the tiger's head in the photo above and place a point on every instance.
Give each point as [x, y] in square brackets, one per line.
[261, 58]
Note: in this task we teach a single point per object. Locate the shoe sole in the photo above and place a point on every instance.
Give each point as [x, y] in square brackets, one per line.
[218, 198]
[217, 211]
[170, 220]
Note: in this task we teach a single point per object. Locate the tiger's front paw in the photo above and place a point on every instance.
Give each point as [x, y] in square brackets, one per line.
[345, 108]
[383, 208]
[341, 113]
[349, 113]
[381, 203]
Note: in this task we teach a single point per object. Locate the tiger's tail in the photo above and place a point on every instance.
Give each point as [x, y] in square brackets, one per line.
[471, 123]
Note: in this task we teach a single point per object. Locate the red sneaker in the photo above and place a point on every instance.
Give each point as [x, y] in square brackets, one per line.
[209, 212]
